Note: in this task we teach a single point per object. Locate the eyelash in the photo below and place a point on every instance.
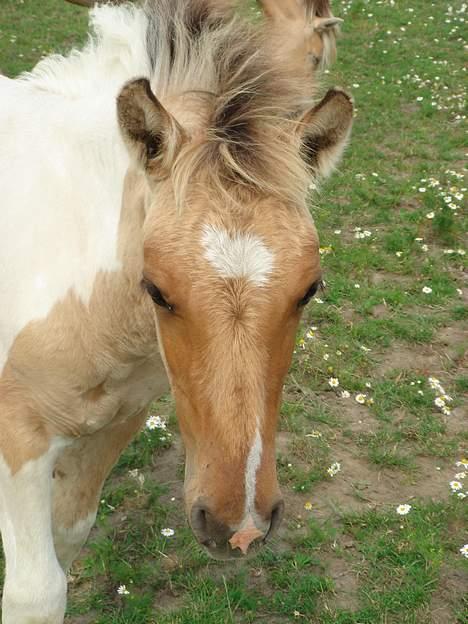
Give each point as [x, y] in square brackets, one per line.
[159, 300]
[156, 295]
[309, 294]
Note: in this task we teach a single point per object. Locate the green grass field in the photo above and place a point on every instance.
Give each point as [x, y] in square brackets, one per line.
[378, 381]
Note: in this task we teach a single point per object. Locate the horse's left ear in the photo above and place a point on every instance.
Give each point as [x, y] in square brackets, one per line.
[324, 131]
[153, 136]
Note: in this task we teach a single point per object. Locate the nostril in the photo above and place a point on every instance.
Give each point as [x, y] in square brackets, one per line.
[199, 520]
[276, 517]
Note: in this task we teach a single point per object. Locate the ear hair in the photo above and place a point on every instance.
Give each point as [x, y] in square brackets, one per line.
[325, 131]
[151, 134]
[321, 24]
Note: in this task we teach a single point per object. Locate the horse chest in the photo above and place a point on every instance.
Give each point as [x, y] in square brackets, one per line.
[82, 367]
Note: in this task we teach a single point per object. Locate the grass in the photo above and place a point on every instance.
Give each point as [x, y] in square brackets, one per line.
[343, 556]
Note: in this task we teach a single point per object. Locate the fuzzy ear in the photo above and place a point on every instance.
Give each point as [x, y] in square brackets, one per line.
[321, 24]
[325, 131]
[152, 135]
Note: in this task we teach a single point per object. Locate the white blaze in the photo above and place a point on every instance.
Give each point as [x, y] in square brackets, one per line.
[240, 255]
[253, 463]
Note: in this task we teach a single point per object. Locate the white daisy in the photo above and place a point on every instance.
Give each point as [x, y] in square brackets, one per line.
[403, 510]
[334, 469]
[122, 590]
[155, 422]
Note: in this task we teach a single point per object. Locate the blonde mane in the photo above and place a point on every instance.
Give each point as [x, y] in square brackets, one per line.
[231, 73]
[249, 98]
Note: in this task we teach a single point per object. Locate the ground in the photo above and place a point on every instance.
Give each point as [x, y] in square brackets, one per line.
[389, 329]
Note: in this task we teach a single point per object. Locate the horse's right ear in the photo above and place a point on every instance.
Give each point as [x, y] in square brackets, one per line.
[152, 135]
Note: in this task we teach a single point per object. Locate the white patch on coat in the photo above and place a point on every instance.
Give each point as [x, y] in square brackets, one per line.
[240, 255]
[62, 167]
[252, 465]
[35, 584]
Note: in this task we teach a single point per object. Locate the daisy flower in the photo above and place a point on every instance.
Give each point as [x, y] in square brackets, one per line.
[155, 422]
[403, 510]
[427, 290]
[167, 532]
[122, 590]
[333, 382]
[361, 398]
[455, 486]
[464, 550]
[334, 469]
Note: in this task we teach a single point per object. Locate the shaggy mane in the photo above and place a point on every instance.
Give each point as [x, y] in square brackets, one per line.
[247, 96]
[250, 97]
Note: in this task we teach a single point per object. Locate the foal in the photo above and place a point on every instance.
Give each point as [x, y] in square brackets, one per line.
[154, 226]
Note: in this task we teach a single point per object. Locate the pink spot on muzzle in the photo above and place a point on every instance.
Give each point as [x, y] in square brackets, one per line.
[245, 536]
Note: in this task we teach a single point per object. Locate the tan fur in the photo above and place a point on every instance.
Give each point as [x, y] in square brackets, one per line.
[304, 31]
[78, 476]
[244, 164]
[228, 344]
[232, 141]
[75, 371]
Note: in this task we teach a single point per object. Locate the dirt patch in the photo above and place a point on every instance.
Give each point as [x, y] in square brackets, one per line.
[380, 311]
[456, 422]
[89, 618]
[453, 583]
[167, 470]
[377, 278]
[350, 316]
[360, 485]
[409, 108]
[454, 341]
[167, 600]
[346, 584]
[425, 360]
[355, 418]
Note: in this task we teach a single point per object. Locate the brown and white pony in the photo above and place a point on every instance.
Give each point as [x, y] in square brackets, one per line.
[154, 226]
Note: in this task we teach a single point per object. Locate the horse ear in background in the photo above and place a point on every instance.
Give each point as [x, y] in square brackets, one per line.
[304, 30]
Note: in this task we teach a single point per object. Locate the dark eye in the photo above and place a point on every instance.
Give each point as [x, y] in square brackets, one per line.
[310, 293]
[156, 295]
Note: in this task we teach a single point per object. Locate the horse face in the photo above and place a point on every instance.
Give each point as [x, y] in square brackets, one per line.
[229, 268]
[228, 290]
